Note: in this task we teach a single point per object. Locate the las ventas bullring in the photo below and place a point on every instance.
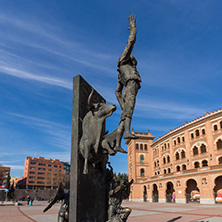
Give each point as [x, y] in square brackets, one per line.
[182, 166]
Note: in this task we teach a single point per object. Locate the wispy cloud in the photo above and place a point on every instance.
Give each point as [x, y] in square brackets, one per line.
[166, 109]
[57, 134]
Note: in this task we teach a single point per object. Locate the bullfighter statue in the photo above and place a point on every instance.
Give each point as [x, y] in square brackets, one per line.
[130, 79]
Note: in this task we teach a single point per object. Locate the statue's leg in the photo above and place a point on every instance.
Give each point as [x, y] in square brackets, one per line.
[125, 212]
[119, 135]
[129, 94]
[106, 146]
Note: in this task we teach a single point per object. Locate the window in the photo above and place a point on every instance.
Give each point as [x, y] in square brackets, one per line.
[40, 182]
[175, 142]
[221, 124]
[142, 173]
[196, 165]
[191, 135]
[41, 164]
[55, 166]
[165, 171]
[183, 154]
[169, 171]
[168, 145]
[178, 168]
[220, 160]
[195, 151]
[197, 132]
[41, 168]
[203, 131]
[49, 165]
[31, 172]
[41, 178]
[32, 168]
[219, 144]
[215, 127]
[31, 181]
[203, 148]
[141, 159]
[49, 169]
[155, 164]
[164, 160]
[165, 145]
[204, 163]
[145, 146]
[177, 156]
[178, 139]
[141, 146]
[168, 159]
[41, 173]
[183, 139]
[137, 146]
[184, 167]
[31, 177]
[155, 173]
[33, 163]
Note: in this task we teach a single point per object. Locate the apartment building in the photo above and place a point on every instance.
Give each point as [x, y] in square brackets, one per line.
[44, 173]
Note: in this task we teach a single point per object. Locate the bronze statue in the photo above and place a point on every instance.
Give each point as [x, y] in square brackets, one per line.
[63, 215]
[130, 79]
[92, 127]
[117, 213]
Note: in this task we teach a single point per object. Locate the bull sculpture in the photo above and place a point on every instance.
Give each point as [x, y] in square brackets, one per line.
[92, 132]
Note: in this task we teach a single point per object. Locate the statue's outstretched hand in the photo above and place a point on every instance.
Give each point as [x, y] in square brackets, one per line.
[132, 21]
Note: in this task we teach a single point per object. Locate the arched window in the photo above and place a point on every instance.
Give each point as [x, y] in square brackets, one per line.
[141, 146]
[177, 156]
[165, 171]
[221, 124]
[141, 159]
[168, 159]
[183, 139]
[203, 131]
[142, 172]
[195, 151]
[169, 171]
[183, 154]
[145, 146]
[165, 145]
[155, 164]
[220, 160]
[191, 135]
[178, 139]
[164, 160]
[197, 132]
[175, 142]
[196, 165]
[219, 144]
[204, 163]
[215, 127]
[155, 173]
[203, 148]
[178, 168]
[137, 146]
[184, 167]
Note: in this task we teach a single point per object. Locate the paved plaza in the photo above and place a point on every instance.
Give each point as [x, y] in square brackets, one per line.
[142, 212]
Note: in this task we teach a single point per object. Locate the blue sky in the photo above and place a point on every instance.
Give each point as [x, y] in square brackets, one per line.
[44, 44]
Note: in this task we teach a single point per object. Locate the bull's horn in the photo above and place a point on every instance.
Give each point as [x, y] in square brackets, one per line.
[90, 99]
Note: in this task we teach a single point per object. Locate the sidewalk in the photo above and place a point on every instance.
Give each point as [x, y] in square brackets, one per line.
[142, 212]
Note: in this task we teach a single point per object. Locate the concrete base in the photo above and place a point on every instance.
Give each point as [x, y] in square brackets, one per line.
[207, 201]
[180, 200]
[162, 200]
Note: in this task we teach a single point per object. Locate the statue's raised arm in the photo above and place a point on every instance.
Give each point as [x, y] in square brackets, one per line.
[131, 40]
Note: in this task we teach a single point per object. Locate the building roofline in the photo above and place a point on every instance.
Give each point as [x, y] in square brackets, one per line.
[190, 123]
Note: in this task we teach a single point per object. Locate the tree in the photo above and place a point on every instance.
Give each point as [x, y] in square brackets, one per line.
[120, 176]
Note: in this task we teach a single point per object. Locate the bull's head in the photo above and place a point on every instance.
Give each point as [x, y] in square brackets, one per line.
[100, 109]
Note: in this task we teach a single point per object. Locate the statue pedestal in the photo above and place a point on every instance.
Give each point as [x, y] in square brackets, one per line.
[88, 192]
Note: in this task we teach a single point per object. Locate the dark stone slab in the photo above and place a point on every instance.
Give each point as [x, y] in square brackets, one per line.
[88, 192]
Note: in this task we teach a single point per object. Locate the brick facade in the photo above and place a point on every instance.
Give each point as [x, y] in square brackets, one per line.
[183, 165]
